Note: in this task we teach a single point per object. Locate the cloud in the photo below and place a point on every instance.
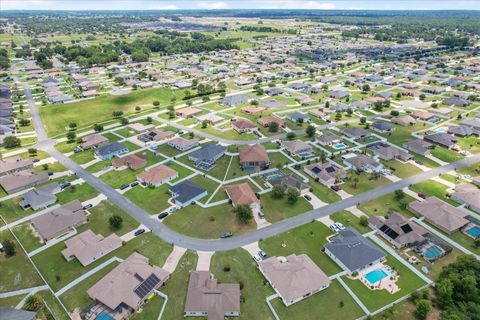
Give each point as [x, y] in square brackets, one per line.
[292, 4]
[212, 5]
[165, 7]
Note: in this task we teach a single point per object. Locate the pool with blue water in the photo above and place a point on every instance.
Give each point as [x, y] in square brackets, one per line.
[104, 316]
[474, 232]
[375, 276]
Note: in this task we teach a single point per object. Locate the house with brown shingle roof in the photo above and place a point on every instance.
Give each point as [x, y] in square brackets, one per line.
[404, 121]
[243, 125]
[157, 176]
[294, 278]
[327, 173]
[468, 194]
[441, 214]
[127, 287]
[12, 183]
[14, 164]
[93, 141]
[133, 161]
[207, 297]
[265, 121]
[254, 157]
[253, 110]
[298, 148]
[188, 112]
[241, 193]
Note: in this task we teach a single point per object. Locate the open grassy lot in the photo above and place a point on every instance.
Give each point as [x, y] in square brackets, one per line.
[98, 220]
[375, 299]
[208, 223]
[58, 272]
[76, 298]
[181, 170]
[16, 272]
[167, 150]
[81, 192]
[176, 287]
[446, 155]
[244, 271]
[206, 183]
[83, 157]
[403, 134]
[279, 209]
[11, 302]
[470, 144]
[150, 310]
[85, 113]
[334, 301]
[401, 170]
[152, 200]
[25, 235]
[235, 171]
[10, 209]
[433, 188]
[473, 170]
[349, 219]
[309, 239]
[56, 308]
[383, 205]
[365, 183]
[323, 193]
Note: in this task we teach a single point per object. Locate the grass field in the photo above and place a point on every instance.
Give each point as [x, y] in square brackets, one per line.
[26, 237]
[433, 188]
[446, 155]
[309, 239]
[349, 219]
[85, 113]
[209, 223]
[81, 192]
[279, 209]
[401, 170]
[11, 302]
[152, 200]
[365, 183]
[243, 271]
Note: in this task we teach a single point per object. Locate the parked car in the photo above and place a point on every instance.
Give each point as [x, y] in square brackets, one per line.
[418, 162]
[335, 187]
[307, 197]
[337, 226]
[134, 184]
[163, 215]
[422, 195]
[50, 173]
[262, 254]
[257, 259]
[124, 186]
[226, 235]
[261, 214]
[172, 209]
[297, 166]
[139, 232]
[77, 150]
[35, 160]
[64, 184]
[87, 206]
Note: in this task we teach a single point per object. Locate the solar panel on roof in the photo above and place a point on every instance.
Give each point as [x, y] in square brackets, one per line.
[316, 170]
[138, 277]
[330, 169]
[406, 228]
[146, 286]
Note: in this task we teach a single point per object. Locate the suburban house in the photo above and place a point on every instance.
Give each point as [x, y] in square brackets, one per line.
[157, 176]
[241, 194]
[338, 94]
[362, 163]
[210, 118]
[455, 101]
[253, 110]
[127, 287]
[294, 278]
[441, 214]
[21, 180]
[418, 146]
[404, 121]
[423, 115]
[254, 158]
[389, 152]
[233, 101]
[383, 127]
[109, 151]
[155, 135]
[93, 141]
[327, 173]
[319, 113]
[40, 198]
[207, 297]
[88, 247]
[352, 251]
[297, 117]
[290, 181]
[188, 112]
[355, 133]
[133, 161]
[60, 220]
[140, 127]
[398, 230]
[265, 121]
[468, 194]
[463, 131]
[441, 139]
[13, 165]
[328, 139]
[243, 125]
[205, 157]
[298, 148]
[186, 192]
[182, 144]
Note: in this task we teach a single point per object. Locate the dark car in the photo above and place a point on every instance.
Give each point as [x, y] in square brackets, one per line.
[87, 206]
[226, 235]
[307, 197]
[77, 150]
[422, 195]
[335, 187]
[163, 215]
[139, 232]
[124, 186]
[50, 173]
[263, 255]
[35, 160]
[64, 184]
[297, 166]
[134, 184]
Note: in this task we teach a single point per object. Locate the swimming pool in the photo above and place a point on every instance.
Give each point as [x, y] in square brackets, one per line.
[339, 146]
[375, 276]
[474, 232]
[441, 130]
[104, 316]
[432, 253]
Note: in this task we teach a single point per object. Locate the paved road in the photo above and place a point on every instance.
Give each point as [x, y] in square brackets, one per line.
[237, 241]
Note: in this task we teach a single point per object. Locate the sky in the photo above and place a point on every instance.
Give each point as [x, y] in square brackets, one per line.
[238, 4]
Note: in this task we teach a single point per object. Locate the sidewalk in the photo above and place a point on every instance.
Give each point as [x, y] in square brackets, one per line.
[173, 259]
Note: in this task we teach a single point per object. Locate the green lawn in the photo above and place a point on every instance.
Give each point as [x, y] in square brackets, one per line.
[446, 155]
[349, 219]
[152, 200]
[11, 302]
[81, 192]
[167, 150]
[213, 221]
[334, 301]
[83, 157]
[383, 205]
[401, 170]
[206, 183]
[10, 209]
[323, 193]
[470, 144]
[279, 209]
[181, 170]
[235, 171]
[85, 113]
[26, 237]
[403, 134]
[150, 310]
[176, 287]
[244, 271]
[365, 183]
[277, 160]
[309, 239]
[98, 220]
[54, 305]
[433, 188]
[16, 272]
[58, 272]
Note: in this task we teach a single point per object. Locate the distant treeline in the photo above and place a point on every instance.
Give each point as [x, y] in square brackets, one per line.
[261, 28]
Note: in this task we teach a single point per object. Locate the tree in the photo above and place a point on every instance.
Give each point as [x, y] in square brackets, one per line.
[310, 131]
[32, 151]
[33, 302]
[71, 136]
[115, 222]
[97, 127]
[272, 127]
[364, 221]
[423, 309]
[292, 195]
[11, 142]
[363, 120]
[278, 191]
[9, 248]
[291, 135]
[244, 213]
[399, 194]
[124, 121]
[24, 122]
[117, 113]
[156, 103]
[204, 124]
[72, 125]
[366, 87]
